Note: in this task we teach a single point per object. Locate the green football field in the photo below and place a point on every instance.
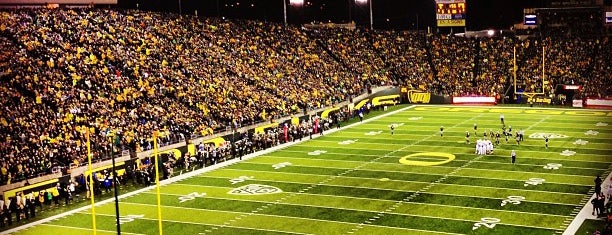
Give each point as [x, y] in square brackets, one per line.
[352, 181]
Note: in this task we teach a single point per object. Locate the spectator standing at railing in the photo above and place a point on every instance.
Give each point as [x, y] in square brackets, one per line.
[6, 212]
[598, 181]
[1, 211]
[18, 206]
[32, 205]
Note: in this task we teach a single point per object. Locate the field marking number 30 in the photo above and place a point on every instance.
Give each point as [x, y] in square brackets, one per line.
[515, 200]
[190, 197]
[129, 218]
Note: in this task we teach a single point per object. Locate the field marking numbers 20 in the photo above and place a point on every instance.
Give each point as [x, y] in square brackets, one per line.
[487, 222]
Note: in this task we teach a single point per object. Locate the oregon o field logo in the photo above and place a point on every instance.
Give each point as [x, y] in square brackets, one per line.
[255, 189]
[449, 157]
[540, 135]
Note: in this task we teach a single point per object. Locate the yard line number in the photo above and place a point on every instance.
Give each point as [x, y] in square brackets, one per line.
[317, 152]
[241, 179]
[487, 222]
[191, 196]
[534, 181]
[514, 200]
[129, 218]
[281, 165]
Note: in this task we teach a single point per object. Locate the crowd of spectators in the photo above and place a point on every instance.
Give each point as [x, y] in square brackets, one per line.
[406, 56]
[454, 61]
[494, 66]
[121, 74]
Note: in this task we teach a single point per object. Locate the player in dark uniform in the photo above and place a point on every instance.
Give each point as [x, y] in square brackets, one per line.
[546, 141]
[484, 134]
[506, 134]
[441, 131]
[392, 128]
[497, 138]
[467, 137]
[518, 139]
[513, 156]
[475, 129]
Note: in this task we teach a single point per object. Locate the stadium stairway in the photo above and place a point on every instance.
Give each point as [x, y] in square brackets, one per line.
[326, 49]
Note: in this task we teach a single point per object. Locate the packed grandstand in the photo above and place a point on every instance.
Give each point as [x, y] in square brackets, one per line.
[125, 73]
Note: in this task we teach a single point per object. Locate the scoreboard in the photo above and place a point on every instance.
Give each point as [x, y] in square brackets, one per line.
[450, 13]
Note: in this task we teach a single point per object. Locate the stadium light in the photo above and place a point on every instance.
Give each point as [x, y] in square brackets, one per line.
[363, 2]
[490, 32]
[292, 3]
[296, 2]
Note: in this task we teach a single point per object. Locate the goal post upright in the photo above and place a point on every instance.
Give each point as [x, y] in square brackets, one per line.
[514, 70]
[543, 63]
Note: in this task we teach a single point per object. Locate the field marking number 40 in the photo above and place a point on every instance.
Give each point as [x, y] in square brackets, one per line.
[281, 165]
[534, 181]
[487, 222]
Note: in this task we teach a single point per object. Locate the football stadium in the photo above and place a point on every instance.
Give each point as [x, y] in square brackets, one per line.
[305, 117]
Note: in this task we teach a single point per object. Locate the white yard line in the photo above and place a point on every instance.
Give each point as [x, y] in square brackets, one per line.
[467, 176]
[401, 181]
[88, 229]
[425, 158]
[376, 155]
[205, 224]
[460, 135]
[450, 147]
[320, 220]
[457, 138]
[444, 194]
[281, 216]
[374, 211]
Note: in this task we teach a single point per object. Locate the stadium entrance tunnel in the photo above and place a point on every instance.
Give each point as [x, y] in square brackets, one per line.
[427, 159]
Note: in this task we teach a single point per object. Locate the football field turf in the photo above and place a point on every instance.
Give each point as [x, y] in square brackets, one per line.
[364, 180]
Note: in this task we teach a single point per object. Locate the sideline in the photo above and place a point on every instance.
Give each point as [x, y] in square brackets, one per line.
[197, 172]
[586, 211]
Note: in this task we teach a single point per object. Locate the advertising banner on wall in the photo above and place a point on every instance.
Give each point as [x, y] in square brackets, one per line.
[422, 97]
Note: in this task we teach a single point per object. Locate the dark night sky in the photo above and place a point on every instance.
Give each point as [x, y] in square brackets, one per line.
[402, 14]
